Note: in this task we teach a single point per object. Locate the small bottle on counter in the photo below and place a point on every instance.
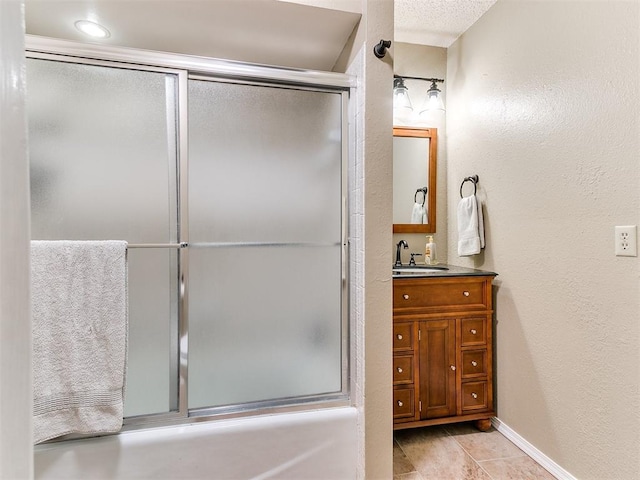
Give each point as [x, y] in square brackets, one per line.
[430, 251]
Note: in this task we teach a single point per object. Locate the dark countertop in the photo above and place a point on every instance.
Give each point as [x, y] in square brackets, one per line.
[453, 271]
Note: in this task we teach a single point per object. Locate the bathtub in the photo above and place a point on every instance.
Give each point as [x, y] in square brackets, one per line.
[319, 444]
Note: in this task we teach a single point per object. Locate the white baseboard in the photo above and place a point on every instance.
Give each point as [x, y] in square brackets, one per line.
[552, 467]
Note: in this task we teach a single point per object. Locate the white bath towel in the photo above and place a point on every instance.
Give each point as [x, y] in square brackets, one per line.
[480, 222]
[79, 310]
[470, 226]
[418, 213]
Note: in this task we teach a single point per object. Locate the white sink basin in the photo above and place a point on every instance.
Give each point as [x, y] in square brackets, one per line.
[414, 270]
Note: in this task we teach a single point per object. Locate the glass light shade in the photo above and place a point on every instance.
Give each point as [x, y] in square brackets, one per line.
[433, 101]
[401, 101]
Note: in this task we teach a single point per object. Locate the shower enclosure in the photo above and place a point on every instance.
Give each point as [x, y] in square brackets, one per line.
[228, 183]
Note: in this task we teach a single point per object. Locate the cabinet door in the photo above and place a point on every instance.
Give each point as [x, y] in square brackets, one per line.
[437, 368]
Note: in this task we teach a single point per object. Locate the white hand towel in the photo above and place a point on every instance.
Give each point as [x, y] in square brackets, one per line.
[480, 222]
[79, 309]
[417, 214]
[468, 227]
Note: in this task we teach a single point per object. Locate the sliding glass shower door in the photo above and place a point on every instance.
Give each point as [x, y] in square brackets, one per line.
[102, 153]
[265, 236]
[237, 282]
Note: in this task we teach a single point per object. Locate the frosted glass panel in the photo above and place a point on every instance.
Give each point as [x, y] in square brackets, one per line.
[264, 166]
[264, 324]
[152, 364]
[103, 166]
[98, 145]
[265, 169]
[265, 163]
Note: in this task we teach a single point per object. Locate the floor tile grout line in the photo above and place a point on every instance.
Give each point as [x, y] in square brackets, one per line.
[474, 460]
[523, 454]
[479, 462]
[484, 470]
[405, 454]
[411, 461]
[490, 459]
[511, 457]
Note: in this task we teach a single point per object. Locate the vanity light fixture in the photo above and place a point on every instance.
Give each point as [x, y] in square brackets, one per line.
[92, 29]
[401, 99]
[434, 100]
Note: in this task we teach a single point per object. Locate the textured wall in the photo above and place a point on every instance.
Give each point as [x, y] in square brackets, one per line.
[376, 149]
[16, 450]
[370, 235]
[543, 104]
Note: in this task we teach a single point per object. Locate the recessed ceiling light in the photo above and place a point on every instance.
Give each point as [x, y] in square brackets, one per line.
[92, 29]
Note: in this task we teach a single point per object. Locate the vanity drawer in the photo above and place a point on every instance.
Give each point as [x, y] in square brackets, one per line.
[474, 396]
[473, 331]
[439, 294]
[474, 363]
[403, 403]
[402, 369]
[402, 336]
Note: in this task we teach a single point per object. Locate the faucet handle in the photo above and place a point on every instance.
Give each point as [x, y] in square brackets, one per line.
[413, 260]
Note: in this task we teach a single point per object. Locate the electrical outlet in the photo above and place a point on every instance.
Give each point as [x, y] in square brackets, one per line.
[626, 243]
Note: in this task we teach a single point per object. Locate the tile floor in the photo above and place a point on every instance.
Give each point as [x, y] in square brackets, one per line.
[460, 452]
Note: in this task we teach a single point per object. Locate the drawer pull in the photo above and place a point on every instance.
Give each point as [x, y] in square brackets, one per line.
[474, 363]
[399, 337]
[399, 370]
[473, 331]
[405, 296]
[453, 367]
[465, 293]
[400, 403]
[474, 395]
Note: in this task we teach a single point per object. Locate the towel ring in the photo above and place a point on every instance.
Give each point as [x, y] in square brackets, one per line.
[473, 179]
[424, 193]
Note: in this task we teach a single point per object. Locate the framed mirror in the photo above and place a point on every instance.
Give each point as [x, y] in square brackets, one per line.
[414, 171]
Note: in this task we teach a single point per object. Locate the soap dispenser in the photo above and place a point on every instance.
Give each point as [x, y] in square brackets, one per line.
[430, 251]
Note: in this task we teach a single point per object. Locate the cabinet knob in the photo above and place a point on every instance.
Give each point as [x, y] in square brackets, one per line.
[465, 293]
[405, 296]
[453, 367]
[399, 370]
[400, 403]
[474, 395]
[474, 363]
[399, 336]
[473, 331]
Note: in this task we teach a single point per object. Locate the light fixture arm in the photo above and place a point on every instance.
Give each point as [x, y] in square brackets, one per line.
[398, 82]
[432, 80]
[433, 91]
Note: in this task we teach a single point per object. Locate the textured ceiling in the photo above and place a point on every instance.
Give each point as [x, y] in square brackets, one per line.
[425, 22]
[436, 22]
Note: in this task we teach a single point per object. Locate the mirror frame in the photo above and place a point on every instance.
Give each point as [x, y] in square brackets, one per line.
[432, 135]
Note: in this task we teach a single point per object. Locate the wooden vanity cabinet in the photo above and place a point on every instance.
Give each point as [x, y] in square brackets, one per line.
[442, 350]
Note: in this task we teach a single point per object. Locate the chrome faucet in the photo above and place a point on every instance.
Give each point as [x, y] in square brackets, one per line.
[404, 245]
